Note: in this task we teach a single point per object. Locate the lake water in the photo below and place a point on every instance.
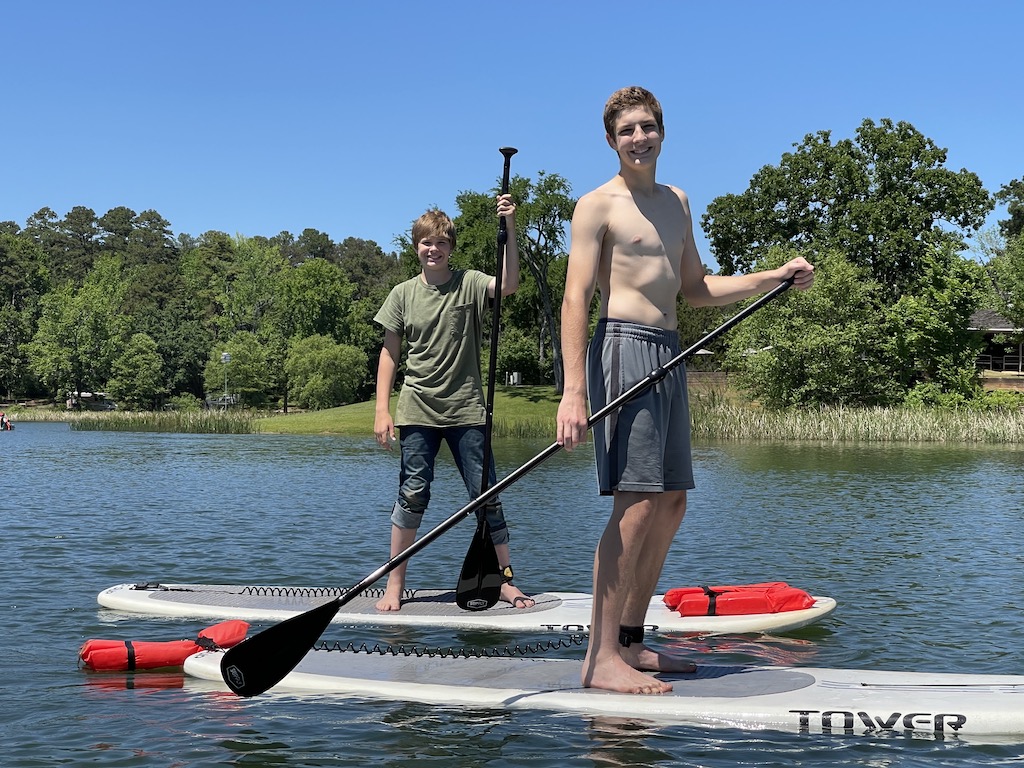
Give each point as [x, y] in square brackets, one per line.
[923, 547]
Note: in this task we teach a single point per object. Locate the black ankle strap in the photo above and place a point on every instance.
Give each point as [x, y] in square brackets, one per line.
[507, 575]
[630, 635]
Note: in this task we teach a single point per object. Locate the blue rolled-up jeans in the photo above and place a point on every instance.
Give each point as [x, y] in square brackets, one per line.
[419, 451]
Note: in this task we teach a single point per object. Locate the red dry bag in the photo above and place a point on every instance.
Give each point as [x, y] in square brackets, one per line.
[737, 600]
[130, 655]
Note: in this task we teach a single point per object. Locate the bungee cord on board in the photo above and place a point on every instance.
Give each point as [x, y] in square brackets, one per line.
[516, 651]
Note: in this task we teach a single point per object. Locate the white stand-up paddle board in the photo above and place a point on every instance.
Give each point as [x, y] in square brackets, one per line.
[809, 700]
[554, 611]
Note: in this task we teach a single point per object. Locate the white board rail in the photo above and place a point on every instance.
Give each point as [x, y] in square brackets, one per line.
[808, 700]
[554, 611]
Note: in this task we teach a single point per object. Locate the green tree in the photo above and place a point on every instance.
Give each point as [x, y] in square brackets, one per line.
[1006, 268]
[81, 331]
[693, 323]
[312, 298]
[53, 352]
[820, 347]
[373, 273]
[24, 280]
[366, 266]
[885, 199]
[249, 294]
[71, 244]
[205, 270]
[311, 244]
[14, 368]
[323, 373]
[838, 344]
[158, 303]
[41, 228]
[116, 227]
[930, 325]
[137, 379]
[543, 210]
[314, 244]
[151, 242]
[546, 207]
[285, 242]
[517, 353]
[248, 374]
[1013, 195]
[184, 343]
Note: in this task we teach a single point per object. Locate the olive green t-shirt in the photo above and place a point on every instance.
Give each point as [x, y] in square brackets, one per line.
[441, 326]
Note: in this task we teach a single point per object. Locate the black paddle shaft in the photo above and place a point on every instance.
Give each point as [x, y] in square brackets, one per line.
[507, 152]
[479, 585]
[262, 661]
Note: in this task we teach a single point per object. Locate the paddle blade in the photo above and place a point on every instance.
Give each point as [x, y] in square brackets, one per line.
[261, 662]
[479, 585]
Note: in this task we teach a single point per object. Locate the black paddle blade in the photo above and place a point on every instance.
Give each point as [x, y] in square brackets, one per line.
[480, 581]
[263, 660]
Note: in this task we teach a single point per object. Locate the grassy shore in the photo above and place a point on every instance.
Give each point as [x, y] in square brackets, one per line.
[848, 425]
[718, 414]
[518, 412]
[529, 412]
[194, 422]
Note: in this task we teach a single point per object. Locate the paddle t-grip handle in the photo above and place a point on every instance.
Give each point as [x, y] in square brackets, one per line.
[507, 153]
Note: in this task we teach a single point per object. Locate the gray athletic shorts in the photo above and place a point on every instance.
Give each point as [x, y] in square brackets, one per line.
[644, 446]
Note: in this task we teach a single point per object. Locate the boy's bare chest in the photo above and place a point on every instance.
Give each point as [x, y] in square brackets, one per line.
[652, 229]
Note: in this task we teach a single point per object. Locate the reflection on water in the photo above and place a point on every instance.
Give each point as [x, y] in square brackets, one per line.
[780, 651]
[923, 547]
[620, 742]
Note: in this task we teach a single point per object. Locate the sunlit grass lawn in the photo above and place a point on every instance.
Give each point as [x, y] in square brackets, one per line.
[518, 412]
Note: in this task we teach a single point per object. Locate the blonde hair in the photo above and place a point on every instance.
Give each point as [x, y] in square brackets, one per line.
[433, 223]
[627, 98]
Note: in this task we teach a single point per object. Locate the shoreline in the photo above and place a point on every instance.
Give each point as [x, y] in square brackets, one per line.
[714, 417]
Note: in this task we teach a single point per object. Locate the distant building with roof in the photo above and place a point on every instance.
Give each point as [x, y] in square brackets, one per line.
[998, 355]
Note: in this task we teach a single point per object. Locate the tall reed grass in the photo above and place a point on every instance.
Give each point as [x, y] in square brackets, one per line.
[194, 422]
[524, 427]
[722, 421]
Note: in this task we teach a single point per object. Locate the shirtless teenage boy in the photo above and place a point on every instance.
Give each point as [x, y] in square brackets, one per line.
[632, 239]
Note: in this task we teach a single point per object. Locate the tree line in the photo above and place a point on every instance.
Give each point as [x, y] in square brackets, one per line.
[120, 304]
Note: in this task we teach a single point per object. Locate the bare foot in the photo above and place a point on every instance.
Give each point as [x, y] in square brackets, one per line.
[392, 600]
[510, 593]
[617, 675]
[639, 656]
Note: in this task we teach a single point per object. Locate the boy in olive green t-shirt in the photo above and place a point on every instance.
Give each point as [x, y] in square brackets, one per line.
[440, 314]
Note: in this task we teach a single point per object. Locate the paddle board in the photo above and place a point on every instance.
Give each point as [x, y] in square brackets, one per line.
[796, 699]
[554, 611]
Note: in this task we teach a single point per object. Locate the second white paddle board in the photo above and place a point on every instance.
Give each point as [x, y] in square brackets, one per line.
[554, 611]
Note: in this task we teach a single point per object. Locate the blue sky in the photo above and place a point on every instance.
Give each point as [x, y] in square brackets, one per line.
[352, 118]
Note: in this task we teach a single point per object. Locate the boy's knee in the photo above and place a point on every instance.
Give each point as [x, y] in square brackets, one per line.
[500, 537]
[403, 517]
[496, 522]
[414, 498]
